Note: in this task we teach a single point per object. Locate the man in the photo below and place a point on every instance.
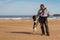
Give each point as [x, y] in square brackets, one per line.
[43, 14]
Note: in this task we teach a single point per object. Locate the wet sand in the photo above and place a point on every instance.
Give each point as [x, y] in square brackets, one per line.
[22, 30]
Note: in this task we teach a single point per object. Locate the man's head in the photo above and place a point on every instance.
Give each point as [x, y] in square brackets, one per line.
[42, 6]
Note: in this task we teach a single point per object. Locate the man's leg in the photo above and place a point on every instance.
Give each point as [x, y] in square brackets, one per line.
[41, 25]
[42, 28]
[46, 27]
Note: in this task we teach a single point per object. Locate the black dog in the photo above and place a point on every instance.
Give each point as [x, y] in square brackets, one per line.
[35, 22]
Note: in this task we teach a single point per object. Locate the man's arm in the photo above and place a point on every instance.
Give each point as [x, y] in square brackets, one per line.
[38, 13]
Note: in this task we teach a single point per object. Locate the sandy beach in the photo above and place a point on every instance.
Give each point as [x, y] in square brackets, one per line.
[22, 30]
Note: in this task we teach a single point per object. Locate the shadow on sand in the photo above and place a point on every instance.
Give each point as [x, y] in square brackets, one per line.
[23, 32]
[26, 33]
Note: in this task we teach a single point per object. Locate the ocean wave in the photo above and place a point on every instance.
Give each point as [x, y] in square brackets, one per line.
[12, 18]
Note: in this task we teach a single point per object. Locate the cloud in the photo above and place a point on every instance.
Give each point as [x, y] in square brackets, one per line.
[11, 7]
[4, 1]
[19, 8]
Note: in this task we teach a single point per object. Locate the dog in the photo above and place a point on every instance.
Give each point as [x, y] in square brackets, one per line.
[35, 20]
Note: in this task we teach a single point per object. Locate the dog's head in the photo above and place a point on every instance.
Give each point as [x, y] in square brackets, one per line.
[34, 17]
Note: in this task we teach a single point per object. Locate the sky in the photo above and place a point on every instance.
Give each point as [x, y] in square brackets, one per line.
[28, 7]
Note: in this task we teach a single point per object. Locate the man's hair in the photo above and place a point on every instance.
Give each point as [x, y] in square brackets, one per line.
[42, 5]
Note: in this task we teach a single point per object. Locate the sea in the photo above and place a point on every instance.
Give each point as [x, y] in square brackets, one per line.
[19, 17]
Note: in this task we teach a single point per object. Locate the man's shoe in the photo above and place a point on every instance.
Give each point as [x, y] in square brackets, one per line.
[43, 34]
[47, 35]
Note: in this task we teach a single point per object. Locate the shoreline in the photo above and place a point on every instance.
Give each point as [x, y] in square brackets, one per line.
[26, 18]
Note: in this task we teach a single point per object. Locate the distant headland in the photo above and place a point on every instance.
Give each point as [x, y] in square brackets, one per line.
[56, 14]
